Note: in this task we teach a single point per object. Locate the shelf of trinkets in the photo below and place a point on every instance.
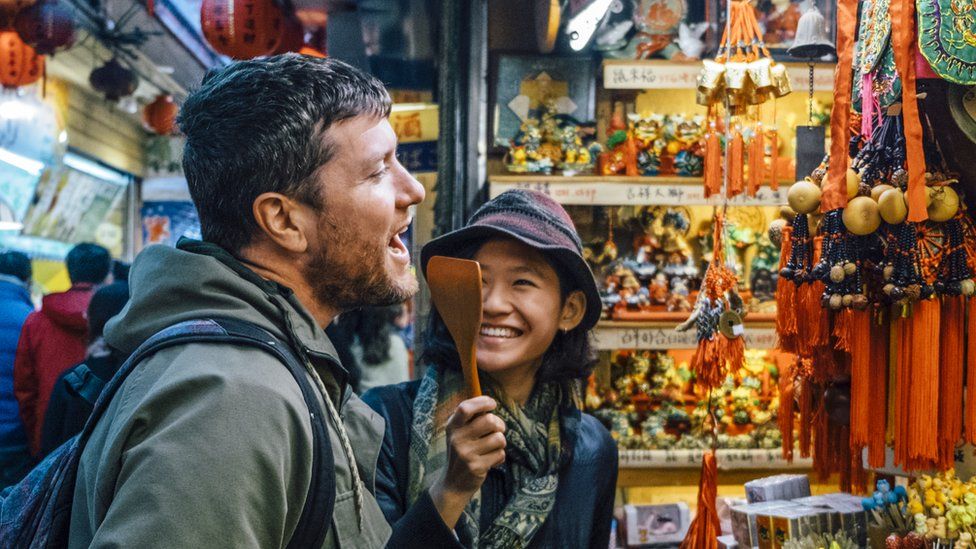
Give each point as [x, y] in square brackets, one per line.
[629, 190]
[649, 402]
[661, 334]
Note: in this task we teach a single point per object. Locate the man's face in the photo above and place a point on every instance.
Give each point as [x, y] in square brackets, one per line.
[356, 257]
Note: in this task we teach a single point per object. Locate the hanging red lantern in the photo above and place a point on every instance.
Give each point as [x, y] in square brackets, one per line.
[292, 36]
[113, 80]
[160, 115]
[20, 65]
[47, 27]
[242, 29]
[10, 8]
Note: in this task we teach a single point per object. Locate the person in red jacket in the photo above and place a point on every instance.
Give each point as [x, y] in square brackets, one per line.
[55, 338]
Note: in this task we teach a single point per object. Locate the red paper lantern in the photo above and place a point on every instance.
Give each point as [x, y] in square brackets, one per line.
[47, 27]
[20, 65]
[242, 29]
[160, 115]
[292, 36]
[10, 8]
[114, 80]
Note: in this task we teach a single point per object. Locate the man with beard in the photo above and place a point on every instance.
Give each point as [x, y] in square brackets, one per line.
[291, 164]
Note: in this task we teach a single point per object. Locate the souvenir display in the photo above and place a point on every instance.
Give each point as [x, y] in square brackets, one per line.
[651, 402]
[548, 140]
[660, 144]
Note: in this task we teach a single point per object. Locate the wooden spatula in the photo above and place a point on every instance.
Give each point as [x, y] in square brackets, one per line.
[455, 288]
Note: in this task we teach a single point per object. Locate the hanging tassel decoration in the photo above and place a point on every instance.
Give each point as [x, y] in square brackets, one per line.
[861, 382]
[734, 167]
[787, 407]
[951, 374]
[877, 406]
[774, 159]
[713, 159]
[971, 371]
[704, 530]
[756, 160]
[786, 296]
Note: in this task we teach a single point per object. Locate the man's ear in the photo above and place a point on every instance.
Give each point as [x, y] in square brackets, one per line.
[574, 309]
[282, 220]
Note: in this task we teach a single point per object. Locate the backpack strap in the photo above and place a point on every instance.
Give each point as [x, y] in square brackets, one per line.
[316, 517]
[81, 381]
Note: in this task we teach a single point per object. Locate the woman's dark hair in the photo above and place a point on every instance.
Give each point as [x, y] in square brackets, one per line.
[372, 327]
[570, 356]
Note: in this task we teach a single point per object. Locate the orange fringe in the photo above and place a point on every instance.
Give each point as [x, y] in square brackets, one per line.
[917, 441]
[877, 407]
[807, 389]
[774, 160]
[951, 374]
[713, 164]
[756, 155]
[704, 530]
[861, 382]
[786, 298]
[971, 372]
[734, 167]
[824, 449]
[843, 330]
[784, 416]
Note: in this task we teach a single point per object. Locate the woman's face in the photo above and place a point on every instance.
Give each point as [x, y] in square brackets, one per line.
[521, 308]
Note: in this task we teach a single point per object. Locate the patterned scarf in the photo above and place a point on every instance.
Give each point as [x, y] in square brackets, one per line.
[539, 436]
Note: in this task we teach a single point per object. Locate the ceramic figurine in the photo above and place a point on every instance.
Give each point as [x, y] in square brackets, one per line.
[686, 144]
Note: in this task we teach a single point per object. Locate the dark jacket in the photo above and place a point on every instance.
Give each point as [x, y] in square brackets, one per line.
[584, 499]
[53, 340]
[67, 410]
[15, 306]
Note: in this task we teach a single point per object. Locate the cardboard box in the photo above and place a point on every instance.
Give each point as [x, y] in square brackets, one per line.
[727, 542]
[745, 528]
[778, 487]
[789, 524]
[652, 524]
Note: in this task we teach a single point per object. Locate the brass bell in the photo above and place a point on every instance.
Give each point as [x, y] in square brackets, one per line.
[811, 41]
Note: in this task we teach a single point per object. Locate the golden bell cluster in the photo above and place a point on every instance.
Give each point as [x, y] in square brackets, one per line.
[741, 84]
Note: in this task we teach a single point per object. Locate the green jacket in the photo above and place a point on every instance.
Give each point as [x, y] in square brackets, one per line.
[210, 445]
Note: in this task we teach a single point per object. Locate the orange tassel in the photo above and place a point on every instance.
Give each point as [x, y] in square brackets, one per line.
[786, 298]
[806, 416]
[920, 336]
[734, 168]
[843, 331]
[704, 530]
[877, 407]
[861, 382]
[774, 160]
[713, 163]
[784, 416]
[951, 374]
[971, 372]
[756, 163]
[807, 318]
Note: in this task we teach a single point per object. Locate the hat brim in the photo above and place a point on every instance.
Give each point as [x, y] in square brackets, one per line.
[572, 263]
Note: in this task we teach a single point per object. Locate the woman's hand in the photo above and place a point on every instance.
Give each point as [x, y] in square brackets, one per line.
[475, 444]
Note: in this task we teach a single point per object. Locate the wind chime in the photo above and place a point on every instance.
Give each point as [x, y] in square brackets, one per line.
[740, 79]
[735, 84]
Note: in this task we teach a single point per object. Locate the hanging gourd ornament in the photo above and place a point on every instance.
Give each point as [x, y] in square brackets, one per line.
[943, 203]
[160, 115]
[804, 197]
[242, 29]
[853, 183]
[861, 216]
[47, 27]
[892, 206]
[878, 190]
[20, 65]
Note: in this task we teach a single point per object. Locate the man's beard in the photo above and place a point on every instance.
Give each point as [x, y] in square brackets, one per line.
[347, 275]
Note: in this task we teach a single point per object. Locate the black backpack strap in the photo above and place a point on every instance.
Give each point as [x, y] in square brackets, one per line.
[82, 382]
[316, 517]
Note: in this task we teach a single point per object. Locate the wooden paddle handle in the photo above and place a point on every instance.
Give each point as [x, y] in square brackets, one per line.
[469, 367]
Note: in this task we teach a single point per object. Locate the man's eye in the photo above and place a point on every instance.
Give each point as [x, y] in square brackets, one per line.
[380, 173]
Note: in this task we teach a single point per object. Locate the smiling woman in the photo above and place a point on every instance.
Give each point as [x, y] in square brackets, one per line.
[521, 466]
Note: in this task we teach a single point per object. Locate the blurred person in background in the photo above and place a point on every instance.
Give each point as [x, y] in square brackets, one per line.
[377, 346]
[15, 306]
[76, 390]
[56, 337]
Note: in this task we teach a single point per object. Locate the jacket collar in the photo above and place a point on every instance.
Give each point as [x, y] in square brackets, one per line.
[304, 334]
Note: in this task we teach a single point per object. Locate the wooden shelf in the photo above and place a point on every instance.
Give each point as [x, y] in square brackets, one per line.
[591, 190]
[659, 334]
[728, 460]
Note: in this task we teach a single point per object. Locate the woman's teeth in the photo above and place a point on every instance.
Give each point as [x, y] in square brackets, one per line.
[492, 331]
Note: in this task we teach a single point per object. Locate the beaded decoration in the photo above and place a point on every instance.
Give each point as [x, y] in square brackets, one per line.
[838, 267]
